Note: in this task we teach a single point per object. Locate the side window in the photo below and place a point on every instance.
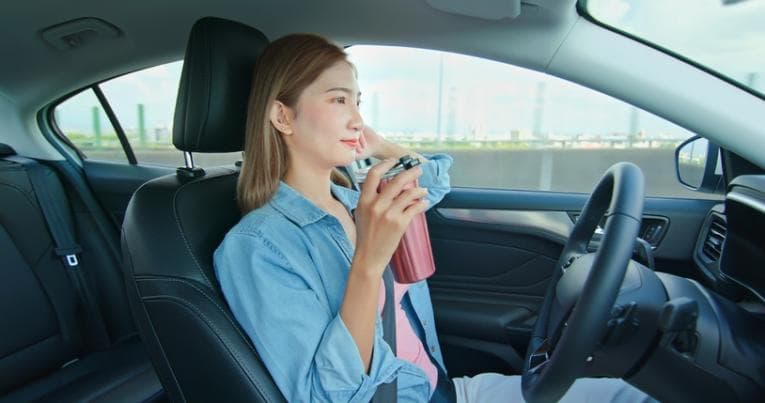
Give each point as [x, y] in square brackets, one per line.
[509, 127]
[83, 121]
[143, 103]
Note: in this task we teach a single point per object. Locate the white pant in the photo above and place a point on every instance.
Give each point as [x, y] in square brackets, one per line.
[490, 387]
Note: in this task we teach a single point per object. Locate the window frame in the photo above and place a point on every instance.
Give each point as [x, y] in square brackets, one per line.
[96, 89]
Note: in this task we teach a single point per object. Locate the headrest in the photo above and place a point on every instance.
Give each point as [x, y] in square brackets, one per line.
[211, 110]
[6, 150]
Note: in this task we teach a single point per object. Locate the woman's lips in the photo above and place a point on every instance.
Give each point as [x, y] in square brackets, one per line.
[350, 143]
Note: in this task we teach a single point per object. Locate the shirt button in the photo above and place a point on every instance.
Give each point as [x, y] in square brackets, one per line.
[424, 322]
[432, 349]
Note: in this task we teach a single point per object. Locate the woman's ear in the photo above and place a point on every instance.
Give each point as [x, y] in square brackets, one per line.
[281, 118]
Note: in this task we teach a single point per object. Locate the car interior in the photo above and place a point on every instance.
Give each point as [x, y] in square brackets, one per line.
[109, 292]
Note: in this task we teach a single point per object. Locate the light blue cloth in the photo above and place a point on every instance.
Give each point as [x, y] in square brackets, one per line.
[283, 270]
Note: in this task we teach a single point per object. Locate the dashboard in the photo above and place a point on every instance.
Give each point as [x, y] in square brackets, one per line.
[715, 338]
[743, 257]
[730, 250]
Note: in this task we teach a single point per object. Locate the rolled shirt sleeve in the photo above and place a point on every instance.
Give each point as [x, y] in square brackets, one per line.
[308, 349]
[435, 177]
[349, 382]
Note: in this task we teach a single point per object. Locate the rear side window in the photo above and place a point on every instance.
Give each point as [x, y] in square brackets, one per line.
[83, 121]
[143, 104]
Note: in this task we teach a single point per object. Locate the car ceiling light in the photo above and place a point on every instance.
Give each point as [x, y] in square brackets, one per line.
[76, 33]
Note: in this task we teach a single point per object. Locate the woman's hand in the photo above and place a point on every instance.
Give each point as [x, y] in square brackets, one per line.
[382, 218]
[370, 144]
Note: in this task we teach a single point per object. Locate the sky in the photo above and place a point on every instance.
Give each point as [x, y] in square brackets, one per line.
[729, 38]
[156, 88]
[482, 96]
[486, 99]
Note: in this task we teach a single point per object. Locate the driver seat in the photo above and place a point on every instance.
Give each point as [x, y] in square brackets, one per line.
[174, 223]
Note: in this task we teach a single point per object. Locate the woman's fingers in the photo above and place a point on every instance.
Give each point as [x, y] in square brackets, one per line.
[404, 207]
[382, 218]
[416, 208]
[407, 198]
[396, 185]
[361, 146]
[372, 182]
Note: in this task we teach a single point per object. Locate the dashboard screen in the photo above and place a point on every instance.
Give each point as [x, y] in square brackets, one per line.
[743, 257]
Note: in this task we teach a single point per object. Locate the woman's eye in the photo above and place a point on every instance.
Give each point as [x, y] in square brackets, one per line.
[340, 100]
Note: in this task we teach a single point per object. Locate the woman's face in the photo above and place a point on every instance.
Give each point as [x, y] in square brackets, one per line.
[326, 124]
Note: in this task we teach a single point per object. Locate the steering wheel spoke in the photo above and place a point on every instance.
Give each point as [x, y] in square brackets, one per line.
[540, 357]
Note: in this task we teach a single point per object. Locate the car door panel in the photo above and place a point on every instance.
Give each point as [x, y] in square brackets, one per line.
[114, 183]
[495, 251]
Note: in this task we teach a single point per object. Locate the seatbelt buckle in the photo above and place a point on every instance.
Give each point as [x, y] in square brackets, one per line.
[71, 260]
[70, 255]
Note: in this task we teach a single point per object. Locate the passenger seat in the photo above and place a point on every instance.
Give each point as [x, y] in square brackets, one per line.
[48, 348]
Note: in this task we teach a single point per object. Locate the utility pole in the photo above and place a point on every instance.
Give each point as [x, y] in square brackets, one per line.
[634, 126]
[141, 126]
[96, 122]
[751, 79]
[439, 135]
[539, 109]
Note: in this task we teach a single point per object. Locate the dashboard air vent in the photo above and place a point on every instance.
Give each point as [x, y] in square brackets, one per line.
[713, 243]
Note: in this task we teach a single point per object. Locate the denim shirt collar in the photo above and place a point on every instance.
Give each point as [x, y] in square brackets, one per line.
[302, 211]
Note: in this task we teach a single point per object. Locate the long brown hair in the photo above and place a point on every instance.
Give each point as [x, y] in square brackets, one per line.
[287, 66]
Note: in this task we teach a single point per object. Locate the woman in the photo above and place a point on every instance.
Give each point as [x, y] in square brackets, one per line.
[302, 271]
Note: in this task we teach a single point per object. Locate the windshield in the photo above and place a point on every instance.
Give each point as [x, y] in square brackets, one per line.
[726, 36]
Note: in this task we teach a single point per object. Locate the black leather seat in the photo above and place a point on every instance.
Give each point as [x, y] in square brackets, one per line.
[174, 223]
[47, 353]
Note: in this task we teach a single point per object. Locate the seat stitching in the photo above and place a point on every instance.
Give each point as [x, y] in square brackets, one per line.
[150, 324]
[180, 227]
[201, 291]
[218, 333]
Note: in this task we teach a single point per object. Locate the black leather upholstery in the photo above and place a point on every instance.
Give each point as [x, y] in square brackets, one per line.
[41, 319]
[174, 223]
[38, 307]
[211, 109]
[121, 374]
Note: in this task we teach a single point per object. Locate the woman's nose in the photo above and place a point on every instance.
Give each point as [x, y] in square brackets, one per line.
[357, 122]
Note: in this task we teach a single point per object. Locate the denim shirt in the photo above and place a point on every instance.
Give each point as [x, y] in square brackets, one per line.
[283, 270]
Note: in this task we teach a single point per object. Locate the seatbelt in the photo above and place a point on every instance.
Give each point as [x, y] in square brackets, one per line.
[60, 226]
[386, 392]
[105, 223]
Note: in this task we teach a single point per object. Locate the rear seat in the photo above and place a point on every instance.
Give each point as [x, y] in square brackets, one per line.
[48, 348]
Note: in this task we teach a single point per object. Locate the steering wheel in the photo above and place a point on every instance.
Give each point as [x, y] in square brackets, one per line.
[573, 317]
